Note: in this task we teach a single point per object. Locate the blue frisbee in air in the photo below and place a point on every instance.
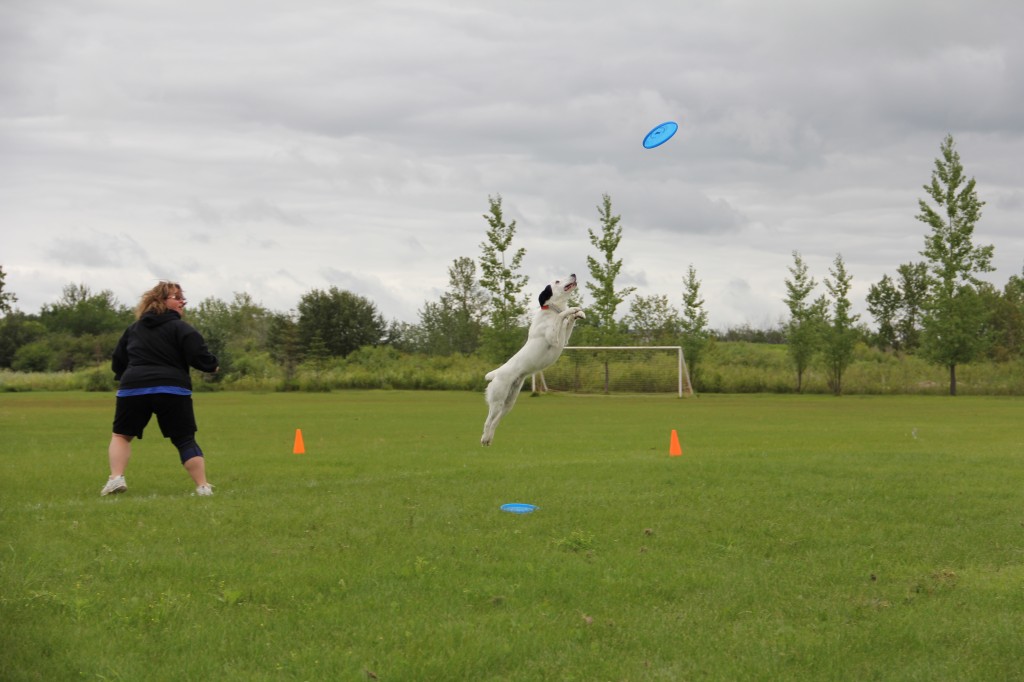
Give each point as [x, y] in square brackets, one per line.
[518, 507]
[661, 134]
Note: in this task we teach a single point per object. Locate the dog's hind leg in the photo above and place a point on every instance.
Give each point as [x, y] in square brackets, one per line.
[513, 394]
[499, 406]
[493, 417]
[495, 410]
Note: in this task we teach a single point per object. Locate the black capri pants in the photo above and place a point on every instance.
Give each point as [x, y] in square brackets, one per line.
[174, 414]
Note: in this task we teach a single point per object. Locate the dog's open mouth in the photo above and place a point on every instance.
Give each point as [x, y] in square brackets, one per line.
[570, 286]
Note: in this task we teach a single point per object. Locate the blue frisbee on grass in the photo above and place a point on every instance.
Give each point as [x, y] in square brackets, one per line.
[661, 134]
[518, 507]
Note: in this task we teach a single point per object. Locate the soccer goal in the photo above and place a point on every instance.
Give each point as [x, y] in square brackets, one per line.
[617, 369]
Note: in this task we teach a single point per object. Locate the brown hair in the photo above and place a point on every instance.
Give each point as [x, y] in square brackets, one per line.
[153, 301]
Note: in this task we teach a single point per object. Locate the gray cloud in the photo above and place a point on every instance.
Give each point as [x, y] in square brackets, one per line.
[275, 149]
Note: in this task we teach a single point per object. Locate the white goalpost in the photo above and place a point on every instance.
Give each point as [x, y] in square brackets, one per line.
[617, 369]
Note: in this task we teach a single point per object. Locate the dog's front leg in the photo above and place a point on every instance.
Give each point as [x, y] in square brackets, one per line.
[569, 318]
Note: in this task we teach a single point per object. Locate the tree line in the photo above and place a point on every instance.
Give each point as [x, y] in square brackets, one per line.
[937, 308]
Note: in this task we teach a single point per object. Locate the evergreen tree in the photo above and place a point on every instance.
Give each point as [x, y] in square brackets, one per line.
[952, 314]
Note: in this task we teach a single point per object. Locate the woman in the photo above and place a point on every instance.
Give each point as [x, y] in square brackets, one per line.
[152, 362]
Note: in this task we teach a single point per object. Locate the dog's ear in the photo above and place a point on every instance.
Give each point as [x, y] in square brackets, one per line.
[545, 295]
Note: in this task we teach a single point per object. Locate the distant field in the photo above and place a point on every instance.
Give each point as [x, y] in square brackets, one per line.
[797, 538]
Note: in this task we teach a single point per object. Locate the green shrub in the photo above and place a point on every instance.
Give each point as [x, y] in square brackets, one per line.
[98, 379]
[731, 367]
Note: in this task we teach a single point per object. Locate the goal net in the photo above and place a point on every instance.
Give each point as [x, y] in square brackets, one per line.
[617, 369]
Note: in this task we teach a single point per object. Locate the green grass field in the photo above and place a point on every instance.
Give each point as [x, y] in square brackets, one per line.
[797, 538]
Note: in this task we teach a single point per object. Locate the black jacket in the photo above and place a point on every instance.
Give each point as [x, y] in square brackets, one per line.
[157, 350]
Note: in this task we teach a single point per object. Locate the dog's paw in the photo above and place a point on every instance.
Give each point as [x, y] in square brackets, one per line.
[579, 314]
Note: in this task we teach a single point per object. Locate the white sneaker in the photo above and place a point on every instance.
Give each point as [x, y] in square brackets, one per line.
[204, 490]
[114, 485]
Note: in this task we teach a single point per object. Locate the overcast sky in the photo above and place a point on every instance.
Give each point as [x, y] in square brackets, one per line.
[276, 147]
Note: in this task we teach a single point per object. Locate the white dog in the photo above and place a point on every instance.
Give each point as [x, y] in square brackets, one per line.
[549, 332]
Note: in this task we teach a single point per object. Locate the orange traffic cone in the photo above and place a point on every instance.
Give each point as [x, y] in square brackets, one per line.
[300, 448]
[673, 446]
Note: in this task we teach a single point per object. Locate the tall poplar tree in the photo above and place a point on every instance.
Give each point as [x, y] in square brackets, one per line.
[694, 323]
[501, 278]
[953, 319]
[603, 274]
[804, 325]
[840, 335]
